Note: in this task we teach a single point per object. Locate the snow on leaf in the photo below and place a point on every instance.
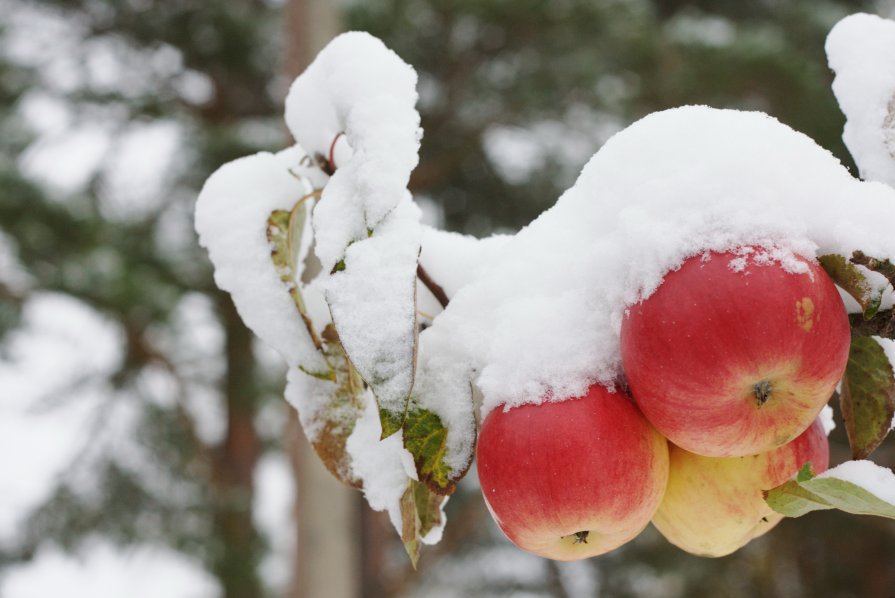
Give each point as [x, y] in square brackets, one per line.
[421, 512]
[868, 396]
[284, 231]
[232, 215]
[344, 407]
[373, 305]
[857, 487]
[847, 276]
[356, 101]
[355, 105]
[861, 51]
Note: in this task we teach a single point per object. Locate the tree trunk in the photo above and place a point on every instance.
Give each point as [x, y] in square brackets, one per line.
[328, 555]
[237, 548]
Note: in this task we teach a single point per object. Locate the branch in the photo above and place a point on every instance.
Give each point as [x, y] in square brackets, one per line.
[433, 286]
[884, 267]
[882, 324]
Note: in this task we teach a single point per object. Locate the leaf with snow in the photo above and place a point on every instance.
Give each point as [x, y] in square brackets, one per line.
[421, 513]
[861, 51]
[337, 411]
[373, 305]
[425, 437]
[285, 229]
[850, 278]
[356, 103]
[232, 215]
[857, 487]
[868, 396]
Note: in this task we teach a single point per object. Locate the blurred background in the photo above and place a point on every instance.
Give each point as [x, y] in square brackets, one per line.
[145, 449]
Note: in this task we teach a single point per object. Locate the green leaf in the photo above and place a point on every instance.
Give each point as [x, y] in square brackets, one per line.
[425, 437]
[798, 497]
[420, 514]
[806, 473]
[868, 396]
[847, 276]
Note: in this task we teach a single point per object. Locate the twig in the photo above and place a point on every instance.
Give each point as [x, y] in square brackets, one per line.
[433, 286]
[884, 267]
[882, 324]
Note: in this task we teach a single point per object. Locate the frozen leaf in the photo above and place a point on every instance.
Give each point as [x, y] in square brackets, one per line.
[847, 276]
[857, 487]
[420, 514]
[868, 396]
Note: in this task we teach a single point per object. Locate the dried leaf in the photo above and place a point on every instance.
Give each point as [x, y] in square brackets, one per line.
[868, 396]
[420, 514]
[344, 408]
[284, 231]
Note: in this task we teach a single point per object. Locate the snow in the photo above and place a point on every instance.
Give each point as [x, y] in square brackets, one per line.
[826, 419]
[231, 219]
[101, 570]
[378, 285]
[861, 51]
[385, 467]
[540, 320]
[356, 87]
[877, 480]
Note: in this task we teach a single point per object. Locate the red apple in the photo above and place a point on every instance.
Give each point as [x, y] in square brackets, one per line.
[572, 479]
[714, 505]
[733, 355]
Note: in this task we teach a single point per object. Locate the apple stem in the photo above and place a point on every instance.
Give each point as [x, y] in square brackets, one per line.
[762, 391]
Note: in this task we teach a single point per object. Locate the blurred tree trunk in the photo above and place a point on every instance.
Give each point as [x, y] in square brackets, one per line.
[328, 554]
[237, 543]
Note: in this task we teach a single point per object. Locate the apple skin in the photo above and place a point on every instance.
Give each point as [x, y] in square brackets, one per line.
[591, 464]
[726, 363]
[714, 505]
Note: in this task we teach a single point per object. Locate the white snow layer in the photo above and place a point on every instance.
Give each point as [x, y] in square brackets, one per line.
[231, 219]
[874, 478]
[861, 51]
[358, 88]
[541, 319]
[355, 107]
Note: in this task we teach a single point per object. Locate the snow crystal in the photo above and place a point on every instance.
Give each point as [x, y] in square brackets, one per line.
[358, 89]
[861, 51]
[540, 319]
[231, 219]
[874, 478]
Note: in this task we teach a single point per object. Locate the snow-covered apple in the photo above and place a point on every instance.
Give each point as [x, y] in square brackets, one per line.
[736, 353]
[572, 479]
[714, 505]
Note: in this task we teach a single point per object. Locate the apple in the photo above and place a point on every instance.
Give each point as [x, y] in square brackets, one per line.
[714, 505]
[733, 354]
[572, 479]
